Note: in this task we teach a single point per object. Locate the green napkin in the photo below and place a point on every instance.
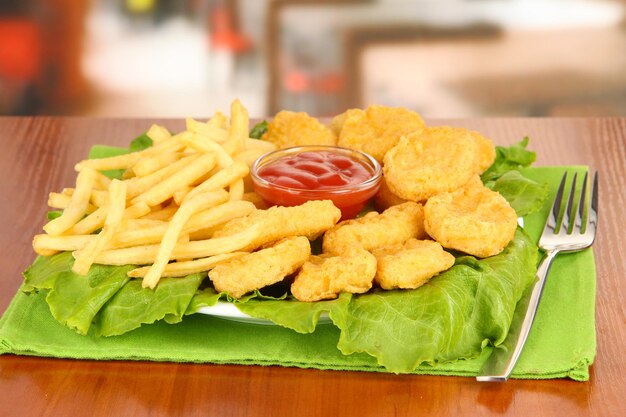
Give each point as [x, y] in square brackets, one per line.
[561, 343]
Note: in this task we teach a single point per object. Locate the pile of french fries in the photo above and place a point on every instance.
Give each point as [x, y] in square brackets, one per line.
[164, 210]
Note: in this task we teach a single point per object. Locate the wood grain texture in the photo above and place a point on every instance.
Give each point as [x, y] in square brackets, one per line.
[37, 156]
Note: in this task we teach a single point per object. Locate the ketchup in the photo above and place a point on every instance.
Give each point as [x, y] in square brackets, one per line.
[342, 175]
[315, 171]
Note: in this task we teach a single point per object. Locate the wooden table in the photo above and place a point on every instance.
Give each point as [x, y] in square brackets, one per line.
[37, 156]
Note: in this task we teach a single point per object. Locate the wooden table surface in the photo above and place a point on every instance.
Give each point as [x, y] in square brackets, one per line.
[37, 156]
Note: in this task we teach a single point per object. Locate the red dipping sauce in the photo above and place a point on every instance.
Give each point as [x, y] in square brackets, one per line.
[293, 176]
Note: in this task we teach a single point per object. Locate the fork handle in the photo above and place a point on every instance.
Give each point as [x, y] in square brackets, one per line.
[500, 364]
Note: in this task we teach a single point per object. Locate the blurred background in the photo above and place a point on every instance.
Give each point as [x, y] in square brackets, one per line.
[176, 58]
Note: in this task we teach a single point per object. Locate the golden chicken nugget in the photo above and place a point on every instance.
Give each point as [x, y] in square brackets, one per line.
[374, 230]
[486, 151]
[377, 129]
[472, 219]
[324, 277]
[256, 270]
[384, 198]
[310, 219]
[410, 265]
[339, 120]
[297, 129]
[435, 161]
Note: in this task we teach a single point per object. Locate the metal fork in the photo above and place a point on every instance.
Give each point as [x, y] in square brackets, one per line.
[570, 235]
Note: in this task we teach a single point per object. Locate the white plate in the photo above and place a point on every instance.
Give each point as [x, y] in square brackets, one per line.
[228, 311]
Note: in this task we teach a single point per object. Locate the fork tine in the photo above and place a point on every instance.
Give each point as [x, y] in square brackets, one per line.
[582, 203]
[592, 217]
[566, 223]
[556, 207]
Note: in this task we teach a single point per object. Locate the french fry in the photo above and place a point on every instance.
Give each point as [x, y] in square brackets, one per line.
[102, 181]
[44, 244]
[137, 186]
[239, 126]
[128, 174]
[96, 219]
[207, 218]
[165, 189]
[221, 179]
[91, 223]
[261, 145]
[204, 144]
[218, 120]
[158, 133]
[78, 204]
[173, 232]
[179, 195]
[248, 156]
[218, 215]
[212, 132]
[255, 199]
[149, 164]
[164, 214]
[114, 162]
[137, 210]
[141, 224]
[172, 144]
[144, 255]
[99, 198]
[62, 201]
[117, 203]
[235, 189]
[181, 269]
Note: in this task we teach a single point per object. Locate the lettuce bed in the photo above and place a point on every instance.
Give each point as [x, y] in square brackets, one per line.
[452, 317]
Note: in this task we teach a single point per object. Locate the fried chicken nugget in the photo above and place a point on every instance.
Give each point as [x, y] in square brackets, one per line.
[324, 277]
[310, 219]
[376, 129]
[472, 219]
[486, 151]
[297, 129]
[437, 160]
[260, 269]
[394, 225]
[384, 198]
[410, 265]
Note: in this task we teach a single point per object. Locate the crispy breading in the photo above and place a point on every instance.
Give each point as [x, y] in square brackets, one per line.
[337, 123]
[310, 219]
[472, 219]
[324, 277]
[384, 198]
[411, 264]
[262, 268]
[394, 225]
[376, 129]
[437, 160]
[297, 129]
[486, 151]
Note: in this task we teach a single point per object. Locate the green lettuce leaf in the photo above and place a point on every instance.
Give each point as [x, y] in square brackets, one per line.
[140, 143]
[296, 315]
[452, 317]
[509, 158]
[524, 195]
[54, 214]
[133, 305]
[42, 274]
[74, 300]
[103, 151]
[259, 130]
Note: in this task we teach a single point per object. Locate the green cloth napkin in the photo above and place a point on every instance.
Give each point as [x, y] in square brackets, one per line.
[561, 343]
